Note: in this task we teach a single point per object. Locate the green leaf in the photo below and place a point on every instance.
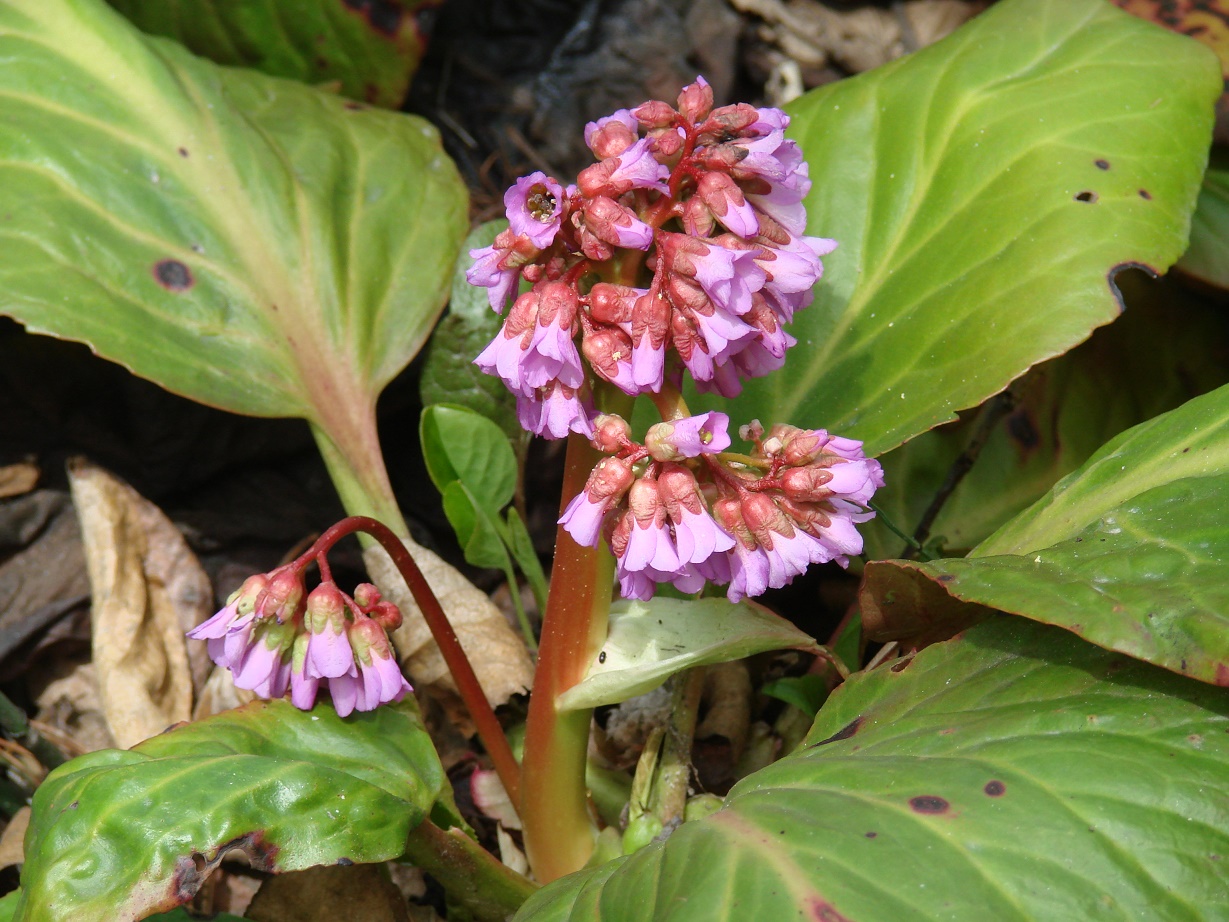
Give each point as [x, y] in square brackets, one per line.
[1207, 259]
[1015, 774]
[242, 240]
[1129, 551]
[370, 50]
[121, 834]
[459, 444]
[955, 182]
[651, 641]
[521, 546]
[1167, 348]
[449, 374]
[805, 692]
[477, 534]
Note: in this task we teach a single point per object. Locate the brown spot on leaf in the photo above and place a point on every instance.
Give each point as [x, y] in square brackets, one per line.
[183, 152]
[844, 733]
[1023, 430]
[994, 788]
[823, 911]
[354, 106]
[344, 862]
[928, 803]
[871, 835]
[1087, 197]
[902, 664]
[946, 577]
[1145, 195]
[1102, 164]
[192, 869]
[173, 275]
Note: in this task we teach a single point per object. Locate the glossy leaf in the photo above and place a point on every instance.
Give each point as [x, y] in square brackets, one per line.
[368, 50]
[449, 374]
[121, 834]
[651, 641]
[476, 532]
[1167, 348]
[244, 241]
[984, 191]
[461, 445]
[1129, 551]
[1016, 773]
[1207, 259]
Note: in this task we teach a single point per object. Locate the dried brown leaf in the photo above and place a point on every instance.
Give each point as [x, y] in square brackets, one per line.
[12, 842]
[148, 588]
[220, 694]
[19, 478]
[70, 703]
[498, 655]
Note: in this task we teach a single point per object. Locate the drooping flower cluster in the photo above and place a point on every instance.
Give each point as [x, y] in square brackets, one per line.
[683, 247]
[674, 510]
[274, 640]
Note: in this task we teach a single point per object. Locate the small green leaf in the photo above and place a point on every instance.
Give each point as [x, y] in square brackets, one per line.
[1014, 774]
[124, 834]
[459, 444]
[449, 374]
[245, 241]
[805, 692]
[1207, 259]
[651, 641]
[521, 546]
[1130, 551]
[369, 49]
[984, 191]
[478, 536]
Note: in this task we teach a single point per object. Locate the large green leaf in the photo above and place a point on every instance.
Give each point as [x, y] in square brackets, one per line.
[121, 834]
[245, 241]
[370, 49]
[1207, 259]
[1015, 773]
[1167, 348]
[1130, 551]
[984, 191]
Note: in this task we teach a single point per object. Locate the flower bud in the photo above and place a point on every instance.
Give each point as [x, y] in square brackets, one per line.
[611, 433]
[326, 607]
[612, 303]
[283, 595]
[387, 615]
[696, 101]
[366, 596]
[654, 114]
[806, 484]
[688, 438]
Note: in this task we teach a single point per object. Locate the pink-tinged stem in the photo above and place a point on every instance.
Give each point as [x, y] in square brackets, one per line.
[489, 729]
[554, 802]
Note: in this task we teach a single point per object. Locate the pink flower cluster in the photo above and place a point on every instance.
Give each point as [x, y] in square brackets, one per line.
[673, 510]
[692, 224]
[273, 641]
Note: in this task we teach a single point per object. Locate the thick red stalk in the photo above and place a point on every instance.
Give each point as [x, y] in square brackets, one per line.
[554, 802]
[489, 729]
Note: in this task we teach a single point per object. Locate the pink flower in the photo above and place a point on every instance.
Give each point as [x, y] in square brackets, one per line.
[612, 135]
[535, 348]
[727, 202]
[554, 411]
[689, 437]
[634, 168]
[616, 224]
[535, 208]
[605, 488]
[374, 677]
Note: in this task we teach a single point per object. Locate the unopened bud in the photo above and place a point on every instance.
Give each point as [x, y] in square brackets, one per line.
[696, 101]
[611, 139]
[752, 431]
[797, 447]
[605, 348]
[366, 596]
[665, 142]
[609, 480]
[806, 484]
[387, 615]
[698, 217]
[246, 596]
[654, 114]
[283, 595]
[611, 303]
[611, 433]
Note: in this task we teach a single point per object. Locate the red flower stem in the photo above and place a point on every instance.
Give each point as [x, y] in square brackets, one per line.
[554, 812]
[489, 729]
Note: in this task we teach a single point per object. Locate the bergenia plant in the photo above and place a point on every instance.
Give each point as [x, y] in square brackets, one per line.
[747, 323]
